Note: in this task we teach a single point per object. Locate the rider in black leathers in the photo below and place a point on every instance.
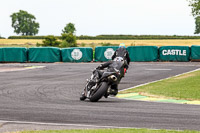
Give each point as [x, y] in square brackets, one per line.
[120, 61]
[118, 64]
[121, 54]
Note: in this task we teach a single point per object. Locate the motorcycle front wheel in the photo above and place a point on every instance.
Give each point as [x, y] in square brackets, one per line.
[100, 92]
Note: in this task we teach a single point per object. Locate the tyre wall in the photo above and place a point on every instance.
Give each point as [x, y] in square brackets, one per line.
[104, 53]
[195, 53]
[77, 54]
[143, 53]
[44, 54]
[13, 54]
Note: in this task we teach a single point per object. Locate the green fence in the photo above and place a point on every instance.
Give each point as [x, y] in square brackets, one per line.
[174, 53]
[85, 54]
[1, 55]
[13, 54]
[195, 53]
[104, 53]
[44, 54]
[77, 54]
[143, 53]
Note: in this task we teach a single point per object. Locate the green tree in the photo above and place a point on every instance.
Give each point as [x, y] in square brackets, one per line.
[69, 28]
[24, 23]
[69, 40]
[50, 41]
[197, 23]
[195, 4]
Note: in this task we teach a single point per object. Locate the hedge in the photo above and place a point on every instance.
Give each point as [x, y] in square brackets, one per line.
[115, 37]
[30, 37]
[2, 37]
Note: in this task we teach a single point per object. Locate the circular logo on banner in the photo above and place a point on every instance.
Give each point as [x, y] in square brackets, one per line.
[76, 54]
[109, 53]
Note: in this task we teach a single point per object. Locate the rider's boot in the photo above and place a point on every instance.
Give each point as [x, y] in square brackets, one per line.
[113, 90]
[106, 95]
[83, 97]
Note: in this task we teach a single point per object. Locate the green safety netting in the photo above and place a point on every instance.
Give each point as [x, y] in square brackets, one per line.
[174, 53]
[77, 54]
[44, 54]
[13, 54]
[143, 53]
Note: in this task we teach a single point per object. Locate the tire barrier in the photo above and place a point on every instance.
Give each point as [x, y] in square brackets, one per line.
[195, 53]
[143, 53]
[12, 54]
[104, 53]
[1, 55]
[174, 53]
[77, 54]
[44, 54]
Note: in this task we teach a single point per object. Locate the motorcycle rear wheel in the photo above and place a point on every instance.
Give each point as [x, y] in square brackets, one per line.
[100, 92]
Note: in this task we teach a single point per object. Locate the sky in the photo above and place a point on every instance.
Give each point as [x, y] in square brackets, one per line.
[97, 17]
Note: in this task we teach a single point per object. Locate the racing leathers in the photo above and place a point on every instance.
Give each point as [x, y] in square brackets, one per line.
[112, 66]
[122, 52]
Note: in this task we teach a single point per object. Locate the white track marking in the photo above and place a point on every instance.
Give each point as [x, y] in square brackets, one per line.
[20, 69]
[62, 124]
[78, 125]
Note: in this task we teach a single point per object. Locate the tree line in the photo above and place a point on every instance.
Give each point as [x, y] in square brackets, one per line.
[114, 37]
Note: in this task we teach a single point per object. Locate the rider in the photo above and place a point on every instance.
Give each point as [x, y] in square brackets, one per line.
[117, 63]
[122, 52]
[113, 65]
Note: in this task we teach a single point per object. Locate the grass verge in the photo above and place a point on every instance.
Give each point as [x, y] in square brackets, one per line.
[111, 131]
[185, 86]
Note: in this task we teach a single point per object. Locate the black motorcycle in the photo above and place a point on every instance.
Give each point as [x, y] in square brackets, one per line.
[100, 81]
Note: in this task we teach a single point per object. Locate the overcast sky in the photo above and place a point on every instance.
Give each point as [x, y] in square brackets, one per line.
[95, 17]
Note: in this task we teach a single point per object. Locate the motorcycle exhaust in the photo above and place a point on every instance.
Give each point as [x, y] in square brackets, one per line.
[113, 77]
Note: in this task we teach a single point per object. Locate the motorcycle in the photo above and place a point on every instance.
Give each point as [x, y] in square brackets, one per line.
[100, 81]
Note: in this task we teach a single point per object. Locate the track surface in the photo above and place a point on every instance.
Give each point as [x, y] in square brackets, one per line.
[51, 95]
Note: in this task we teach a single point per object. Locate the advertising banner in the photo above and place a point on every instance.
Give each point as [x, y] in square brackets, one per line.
[174, 53]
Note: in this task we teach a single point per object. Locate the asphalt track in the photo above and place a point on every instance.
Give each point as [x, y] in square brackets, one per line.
[49, 97]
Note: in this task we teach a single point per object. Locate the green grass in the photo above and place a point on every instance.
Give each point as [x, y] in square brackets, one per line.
[186, 86]
[111, 131]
